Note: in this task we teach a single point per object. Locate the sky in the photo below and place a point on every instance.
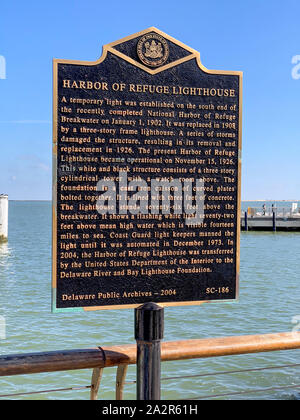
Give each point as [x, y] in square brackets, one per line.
[259, 37]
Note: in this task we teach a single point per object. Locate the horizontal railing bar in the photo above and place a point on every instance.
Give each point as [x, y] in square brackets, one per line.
[77, 388]
[201, 375]
[249, 391]
[228, 346]
[18, 364]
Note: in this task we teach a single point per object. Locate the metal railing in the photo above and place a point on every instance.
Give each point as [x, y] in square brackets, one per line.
[268, 211]
[122, 356]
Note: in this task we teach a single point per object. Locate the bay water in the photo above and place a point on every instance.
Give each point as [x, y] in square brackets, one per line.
[268, 303]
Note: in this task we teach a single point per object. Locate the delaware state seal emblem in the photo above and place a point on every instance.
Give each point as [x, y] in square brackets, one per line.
[153, 50]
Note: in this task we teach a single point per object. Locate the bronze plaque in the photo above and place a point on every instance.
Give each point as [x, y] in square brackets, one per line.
[147, 177]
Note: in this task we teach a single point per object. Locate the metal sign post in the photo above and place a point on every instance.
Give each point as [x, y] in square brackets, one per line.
[149, 331]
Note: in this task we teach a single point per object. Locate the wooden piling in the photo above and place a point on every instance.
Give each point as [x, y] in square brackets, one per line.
[246, 221]
[274, 221]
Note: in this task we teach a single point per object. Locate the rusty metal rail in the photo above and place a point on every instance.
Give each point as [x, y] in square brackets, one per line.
[122, 356]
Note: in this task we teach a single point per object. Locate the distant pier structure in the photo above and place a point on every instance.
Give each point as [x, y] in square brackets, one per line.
[271, 218]
[3, 217]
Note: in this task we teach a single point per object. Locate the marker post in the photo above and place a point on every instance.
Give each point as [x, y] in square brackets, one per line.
[149, 330]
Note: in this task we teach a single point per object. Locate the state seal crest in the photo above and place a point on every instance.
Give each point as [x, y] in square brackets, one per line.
[153, 50]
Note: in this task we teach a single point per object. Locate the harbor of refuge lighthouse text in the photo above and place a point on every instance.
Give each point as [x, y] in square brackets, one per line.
[180, 133]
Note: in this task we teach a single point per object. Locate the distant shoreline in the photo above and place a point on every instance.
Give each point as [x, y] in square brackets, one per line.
[272, 201]
[24, 201]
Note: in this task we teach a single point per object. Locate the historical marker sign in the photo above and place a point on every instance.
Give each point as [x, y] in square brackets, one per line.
[146, 197]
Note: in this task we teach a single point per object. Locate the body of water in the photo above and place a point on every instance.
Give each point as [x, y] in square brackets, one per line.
[268, 303]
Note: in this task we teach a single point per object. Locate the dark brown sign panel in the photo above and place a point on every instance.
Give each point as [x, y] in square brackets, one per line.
[146, 197]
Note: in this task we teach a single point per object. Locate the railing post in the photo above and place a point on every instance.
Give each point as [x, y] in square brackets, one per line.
[149, 330]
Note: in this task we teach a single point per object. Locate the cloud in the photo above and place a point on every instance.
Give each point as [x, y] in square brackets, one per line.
[43, 167]
[35, 162]
[2, 67]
